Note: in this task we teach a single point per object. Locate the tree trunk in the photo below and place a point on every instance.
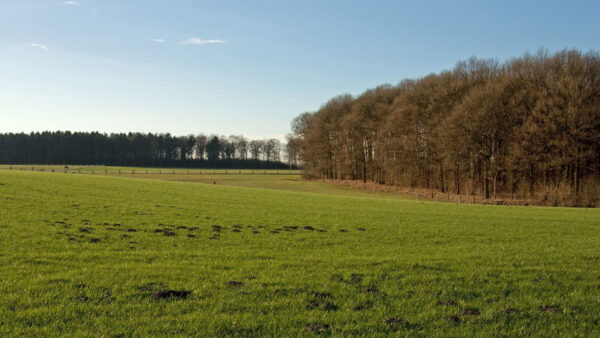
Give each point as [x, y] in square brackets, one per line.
[531, 180]
[364, 171]
[486, 181]
[458, 178]
[442, 187]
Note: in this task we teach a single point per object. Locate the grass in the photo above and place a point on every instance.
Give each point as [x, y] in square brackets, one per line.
[82, 255]
[269, 179]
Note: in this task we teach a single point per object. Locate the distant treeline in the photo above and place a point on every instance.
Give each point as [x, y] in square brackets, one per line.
[139, 149]
[527, 128]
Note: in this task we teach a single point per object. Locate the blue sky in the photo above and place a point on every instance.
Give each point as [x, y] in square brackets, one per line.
[246, 67]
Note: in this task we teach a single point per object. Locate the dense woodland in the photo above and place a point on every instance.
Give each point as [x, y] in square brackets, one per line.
[528, 128]
[138, 149]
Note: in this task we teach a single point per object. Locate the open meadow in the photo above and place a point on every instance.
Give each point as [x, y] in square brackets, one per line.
[115, 256]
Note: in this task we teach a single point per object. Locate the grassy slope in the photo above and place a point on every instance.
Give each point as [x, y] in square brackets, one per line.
[56, 281]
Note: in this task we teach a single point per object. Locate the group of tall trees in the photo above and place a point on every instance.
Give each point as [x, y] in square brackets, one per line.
[139, 149]
[527, 128]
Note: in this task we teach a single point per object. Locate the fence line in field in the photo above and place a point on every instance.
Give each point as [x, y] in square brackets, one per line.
[444, 197]
[162, 172]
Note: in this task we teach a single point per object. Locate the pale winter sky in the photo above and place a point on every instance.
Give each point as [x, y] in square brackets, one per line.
[246, 67]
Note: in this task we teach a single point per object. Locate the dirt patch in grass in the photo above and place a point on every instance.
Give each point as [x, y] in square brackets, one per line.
[308, 227]
[511, 310]
[453, 319]
[167, 294]
[470, 312]
[550, 308]
[234, 283]
[362, 307]
[319, 301]
[317, 328]
[396, 322]
[85, 230]
[191, 236]
[322, 304]
[82, 298]
[94, 240]
[321, 295]
[169, 233]
[343, 230]
[361, 229]
[356, 278]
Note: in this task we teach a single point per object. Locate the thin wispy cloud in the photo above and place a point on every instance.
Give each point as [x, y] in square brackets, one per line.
[71, 3]
[159, 40]
[199, 42]
[37, 45]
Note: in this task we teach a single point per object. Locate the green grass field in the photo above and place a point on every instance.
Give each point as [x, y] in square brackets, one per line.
[271, 179]
[87, 255]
